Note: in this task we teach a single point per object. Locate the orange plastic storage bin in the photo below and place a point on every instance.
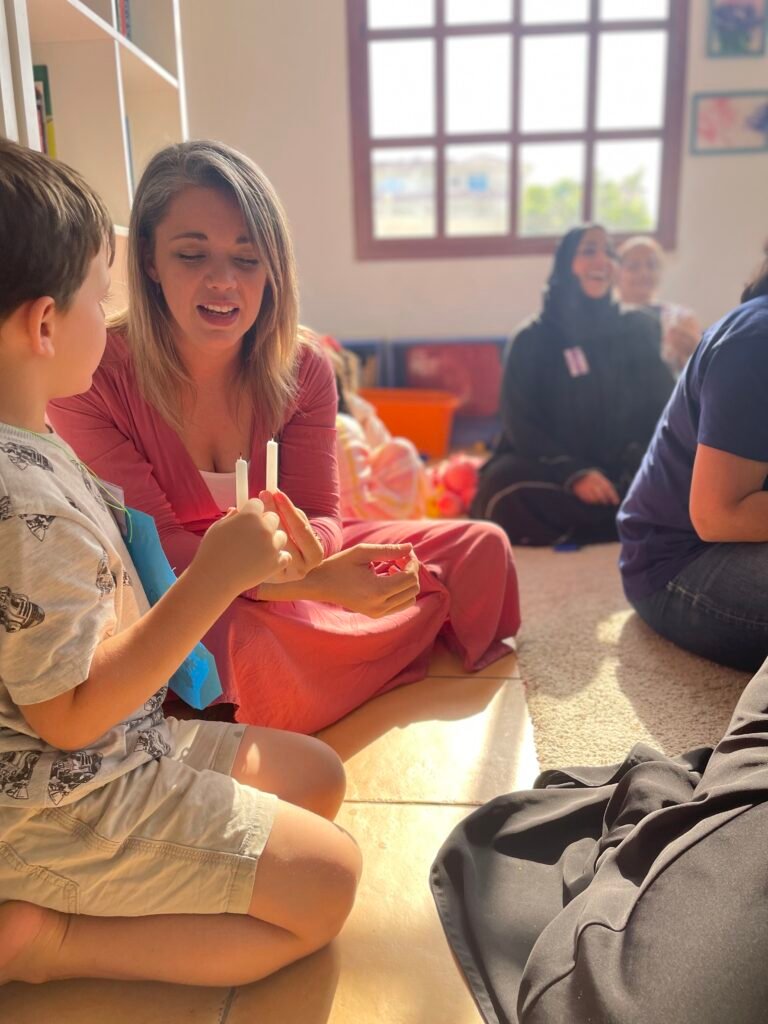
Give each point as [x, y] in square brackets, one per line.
[425, 417]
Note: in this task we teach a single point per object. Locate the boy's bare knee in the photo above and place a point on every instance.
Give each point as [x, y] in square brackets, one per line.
[307, 877]
[327, 782]
[317, 780]
[301, 770]
[339, 888]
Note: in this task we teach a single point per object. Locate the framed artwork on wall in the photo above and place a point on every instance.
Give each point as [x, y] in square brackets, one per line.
[737, 28]
[729, 122]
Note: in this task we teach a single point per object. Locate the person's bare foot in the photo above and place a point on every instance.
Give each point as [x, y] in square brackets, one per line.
[29, 939]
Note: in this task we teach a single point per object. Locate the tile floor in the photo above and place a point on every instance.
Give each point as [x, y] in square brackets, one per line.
[418, 759]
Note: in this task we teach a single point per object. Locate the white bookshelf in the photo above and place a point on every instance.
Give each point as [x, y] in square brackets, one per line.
[115, 101]
[8, 123]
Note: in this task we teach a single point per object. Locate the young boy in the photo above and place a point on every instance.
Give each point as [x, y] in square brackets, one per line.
[131, 846]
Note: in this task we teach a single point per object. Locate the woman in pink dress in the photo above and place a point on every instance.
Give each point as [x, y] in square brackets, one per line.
[209, 363]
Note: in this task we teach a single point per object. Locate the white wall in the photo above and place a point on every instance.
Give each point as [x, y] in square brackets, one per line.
[270, 77]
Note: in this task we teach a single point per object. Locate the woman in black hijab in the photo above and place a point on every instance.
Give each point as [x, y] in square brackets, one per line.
[583, 388]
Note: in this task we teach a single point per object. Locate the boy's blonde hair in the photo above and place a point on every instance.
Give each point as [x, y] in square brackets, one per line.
[268, 358]
[52, 225]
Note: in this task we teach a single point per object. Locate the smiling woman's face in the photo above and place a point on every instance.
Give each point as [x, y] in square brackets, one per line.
[210, 273]
[593, 263]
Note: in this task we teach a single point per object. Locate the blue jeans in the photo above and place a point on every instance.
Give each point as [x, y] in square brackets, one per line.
[717, 606]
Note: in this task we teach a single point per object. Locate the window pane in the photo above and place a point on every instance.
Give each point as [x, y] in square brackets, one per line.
[631, 99]
[554, 83]
[538, 12]
[477, 12]
[400, 13]
[477, 190]
[477, 80]
[551, 188]
[627, 184]
[402, 88]
[403, 193]
[631, 10]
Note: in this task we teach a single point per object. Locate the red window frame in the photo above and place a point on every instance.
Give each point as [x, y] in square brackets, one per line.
[671, 132]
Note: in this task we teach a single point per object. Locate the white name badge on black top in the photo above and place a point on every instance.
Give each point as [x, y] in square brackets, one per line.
[576, 361]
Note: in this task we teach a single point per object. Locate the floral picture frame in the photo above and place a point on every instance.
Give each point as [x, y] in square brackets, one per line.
[729, 122]
[737, 28]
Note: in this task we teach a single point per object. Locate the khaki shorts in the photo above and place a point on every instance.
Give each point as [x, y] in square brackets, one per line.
[175, 836]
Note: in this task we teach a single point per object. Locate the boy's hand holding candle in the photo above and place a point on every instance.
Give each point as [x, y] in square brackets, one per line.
[242, 549]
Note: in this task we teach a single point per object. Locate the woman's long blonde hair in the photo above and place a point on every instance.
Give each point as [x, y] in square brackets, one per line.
[268, 357]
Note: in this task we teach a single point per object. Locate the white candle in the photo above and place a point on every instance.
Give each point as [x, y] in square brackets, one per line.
[271, 465]
[241, 482]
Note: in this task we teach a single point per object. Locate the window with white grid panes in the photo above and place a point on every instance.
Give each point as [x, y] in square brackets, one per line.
[484, 127]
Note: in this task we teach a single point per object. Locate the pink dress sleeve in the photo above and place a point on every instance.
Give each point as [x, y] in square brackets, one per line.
[308, 471]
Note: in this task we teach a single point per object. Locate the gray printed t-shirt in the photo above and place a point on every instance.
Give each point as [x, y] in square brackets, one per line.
[66, 583]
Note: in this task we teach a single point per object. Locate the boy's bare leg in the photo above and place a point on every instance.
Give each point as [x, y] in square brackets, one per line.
[299, 769]
[303, 892]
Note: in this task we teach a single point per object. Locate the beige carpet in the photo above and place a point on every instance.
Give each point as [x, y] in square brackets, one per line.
[598, 678]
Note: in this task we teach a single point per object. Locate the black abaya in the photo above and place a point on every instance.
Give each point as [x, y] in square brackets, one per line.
[583, 388]
[633, 894]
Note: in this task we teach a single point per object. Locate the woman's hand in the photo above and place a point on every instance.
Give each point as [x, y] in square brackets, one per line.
[374, 579]
[595, 489]
[303, 545]
[678, 345]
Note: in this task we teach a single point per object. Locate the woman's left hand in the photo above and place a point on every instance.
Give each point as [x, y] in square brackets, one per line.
[594, 488]
[303, 544]
[373, 579]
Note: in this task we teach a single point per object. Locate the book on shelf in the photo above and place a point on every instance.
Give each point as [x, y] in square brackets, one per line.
[44, 109]
[123, 17]
[40, 109]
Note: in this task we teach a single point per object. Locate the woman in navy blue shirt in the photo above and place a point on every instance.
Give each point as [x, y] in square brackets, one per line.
[694, 524]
